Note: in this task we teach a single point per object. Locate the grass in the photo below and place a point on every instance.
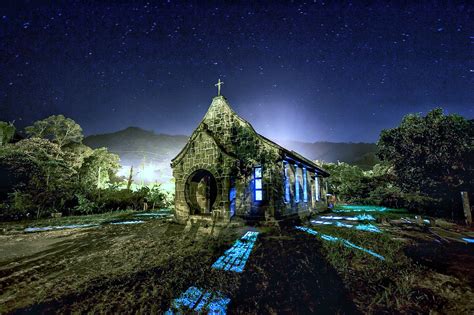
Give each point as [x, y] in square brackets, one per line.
[391, 286]
[143, 267]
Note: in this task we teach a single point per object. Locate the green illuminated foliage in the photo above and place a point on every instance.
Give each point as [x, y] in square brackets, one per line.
[432, 157]
[58, 129]
[7, 131]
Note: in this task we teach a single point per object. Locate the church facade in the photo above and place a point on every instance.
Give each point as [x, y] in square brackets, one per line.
[228, 170]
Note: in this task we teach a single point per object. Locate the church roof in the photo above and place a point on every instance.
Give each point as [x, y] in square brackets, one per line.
[287, 154]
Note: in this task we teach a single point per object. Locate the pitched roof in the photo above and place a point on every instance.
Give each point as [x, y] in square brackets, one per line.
[288, 154]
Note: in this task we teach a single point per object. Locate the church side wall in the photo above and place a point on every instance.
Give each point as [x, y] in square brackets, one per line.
[297, 203]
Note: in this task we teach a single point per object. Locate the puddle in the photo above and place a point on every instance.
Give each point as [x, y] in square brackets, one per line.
[62, 227]
[360, 227]
[235, 258]
[127, 222]
[337, 239]
[199, 301]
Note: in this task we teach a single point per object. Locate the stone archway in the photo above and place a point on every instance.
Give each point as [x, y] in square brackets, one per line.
[201, 192]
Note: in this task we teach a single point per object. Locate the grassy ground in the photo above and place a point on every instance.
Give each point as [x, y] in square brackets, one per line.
[142, 267]
[398, 284]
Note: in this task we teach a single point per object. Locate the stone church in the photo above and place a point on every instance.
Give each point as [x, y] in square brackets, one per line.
[228, 170]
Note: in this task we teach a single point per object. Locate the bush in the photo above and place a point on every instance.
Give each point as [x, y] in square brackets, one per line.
[85, 206]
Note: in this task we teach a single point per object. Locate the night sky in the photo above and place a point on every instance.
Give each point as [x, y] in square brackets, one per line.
[303, 71]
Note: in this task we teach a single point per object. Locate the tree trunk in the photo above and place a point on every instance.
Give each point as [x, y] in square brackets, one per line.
[130, 178]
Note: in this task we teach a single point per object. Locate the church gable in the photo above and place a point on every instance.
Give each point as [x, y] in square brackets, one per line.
[227, 169]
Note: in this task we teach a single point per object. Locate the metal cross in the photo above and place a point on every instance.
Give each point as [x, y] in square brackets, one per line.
[218, 84]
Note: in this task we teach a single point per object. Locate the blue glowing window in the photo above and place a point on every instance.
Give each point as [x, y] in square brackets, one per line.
[316, 188]
[258, 187]
[287, 182]
[305, 187]
[232, 195]
[297, 185]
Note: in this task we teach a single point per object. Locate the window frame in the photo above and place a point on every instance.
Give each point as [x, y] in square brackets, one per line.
[287, 196]
[317, 190]
[297, 185]
[255, 178]
[305, 185]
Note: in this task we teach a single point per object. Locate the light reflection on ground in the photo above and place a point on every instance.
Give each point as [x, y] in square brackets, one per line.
[360, 208]
[337, 239]
[360, 227]
[61, 227]
[198, 301]
[235, 258]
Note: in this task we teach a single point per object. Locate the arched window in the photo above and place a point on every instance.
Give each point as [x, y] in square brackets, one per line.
[305, 187]
[297, 185]
[316, 188]
[287, 182]
[258, 185]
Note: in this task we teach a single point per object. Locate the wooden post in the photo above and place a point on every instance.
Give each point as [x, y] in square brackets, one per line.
[467, 207]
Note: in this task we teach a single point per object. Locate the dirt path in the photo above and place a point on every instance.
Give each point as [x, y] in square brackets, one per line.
[288, 275]
[143, 267]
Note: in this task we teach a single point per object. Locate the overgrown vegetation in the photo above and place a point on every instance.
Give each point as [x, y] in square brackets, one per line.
[55, 173]
[394, 285]
[425, 163]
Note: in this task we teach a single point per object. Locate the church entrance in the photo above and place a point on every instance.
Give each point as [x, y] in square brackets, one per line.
[201, 192]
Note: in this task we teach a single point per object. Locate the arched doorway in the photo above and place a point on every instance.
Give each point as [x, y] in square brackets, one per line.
[201, 192]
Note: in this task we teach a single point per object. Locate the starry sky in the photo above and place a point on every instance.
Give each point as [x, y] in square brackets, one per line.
[308, 71]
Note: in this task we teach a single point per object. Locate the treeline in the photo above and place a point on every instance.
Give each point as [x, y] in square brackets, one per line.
[52, 171]
[425, 163]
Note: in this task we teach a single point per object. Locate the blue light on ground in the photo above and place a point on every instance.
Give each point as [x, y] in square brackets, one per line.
[368, 228]
[335, 239]
[340, 224]
[349, 244]
[199, 301]
[355, 208]
[235, 258]
[360, 227]
[469, 240]
[62, 227]
[321, 222]
[128, 222]
[360, 217]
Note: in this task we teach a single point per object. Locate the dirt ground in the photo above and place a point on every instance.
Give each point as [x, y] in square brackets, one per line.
[143, 267]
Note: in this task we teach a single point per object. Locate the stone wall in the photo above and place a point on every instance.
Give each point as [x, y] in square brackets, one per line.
[229, 148]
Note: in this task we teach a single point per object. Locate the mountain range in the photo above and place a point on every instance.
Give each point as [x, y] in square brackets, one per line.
[139, 147]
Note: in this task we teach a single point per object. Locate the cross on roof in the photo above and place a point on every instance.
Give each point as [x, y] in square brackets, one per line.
[218, 84]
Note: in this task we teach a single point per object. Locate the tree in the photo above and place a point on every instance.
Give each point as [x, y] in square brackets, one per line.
[7, 131]
[58, 129]
[432, 156]
[346, 181]
[99, 168]
[45, 174]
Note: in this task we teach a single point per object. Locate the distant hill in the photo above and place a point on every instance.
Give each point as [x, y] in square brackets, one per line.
[362, 154]
[135, 144]
[139, 147]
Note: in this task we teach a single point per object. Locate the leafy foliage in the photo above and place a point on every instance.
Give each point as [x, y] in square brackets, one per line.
[7, 131]
[57, 173]
[98, 168]
[44, 173]
[432, 157]
[58, 129]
